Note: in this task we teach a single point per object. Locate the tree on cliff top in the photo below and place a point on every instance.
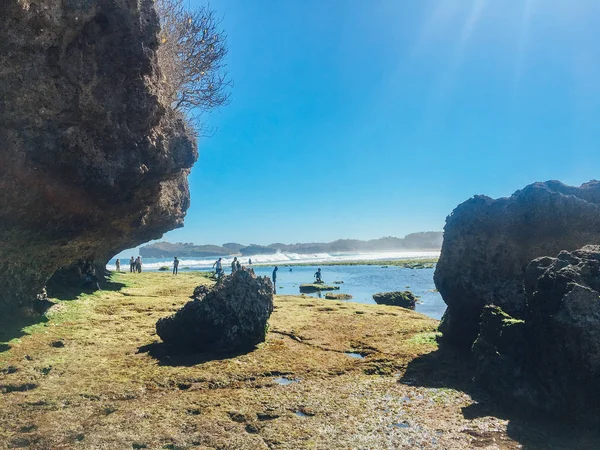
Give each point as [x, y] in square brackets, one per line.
[191, 57]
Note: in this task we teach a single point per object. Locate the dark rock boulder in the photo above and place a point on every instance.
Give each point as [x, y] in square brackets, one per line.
[404, 299]
[92, 161]
[551, 361]
[488, 243]
[500, 352]
[231, 317]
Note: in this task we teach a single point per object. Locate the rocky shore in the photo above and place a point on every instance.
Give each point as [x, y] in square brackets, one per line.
[330, 375]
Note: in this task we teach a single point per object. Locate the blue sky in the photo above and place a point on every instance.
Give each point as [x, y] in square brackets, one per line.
[370, 118]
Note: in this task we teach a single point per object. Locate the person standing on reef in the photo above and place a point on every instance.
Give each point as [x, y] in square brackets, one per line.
[275, 275]
[219, 267]
[175, 265]
[118, 264]
[138, 264]
[238, 266]
[131, 264]
[249, 261]
[234, 265]
[318, 276]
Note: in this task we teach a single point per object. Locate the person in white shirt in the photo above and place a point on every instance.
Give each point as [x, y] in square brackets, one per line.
[218, 266]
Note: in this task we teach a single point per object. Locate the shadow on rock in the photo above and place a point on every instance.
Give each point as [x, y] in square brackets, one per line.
[167, 355]
[449, 367]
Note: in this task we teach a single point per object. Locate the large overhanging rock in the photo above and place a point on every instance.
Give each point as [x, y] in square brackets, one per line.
[551, 361]
[231, 317]
[91, 161]
[488, 243]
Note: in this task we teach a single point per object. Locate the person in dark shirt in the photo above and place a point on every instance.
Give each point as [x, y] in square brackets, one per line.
[318, 276]
[175, 265]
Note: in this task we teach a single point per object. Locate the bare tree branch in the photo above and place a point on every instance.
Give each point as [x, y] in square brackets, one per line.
[191, 56]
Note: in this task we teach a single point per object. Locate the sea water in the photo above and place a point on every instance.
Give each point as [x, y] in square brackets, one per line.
[360, 281]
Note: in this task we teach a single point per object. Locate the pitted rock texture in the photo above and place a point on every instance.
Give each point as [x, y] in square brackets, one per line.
[91, 161]
[231, 317]
[551, 361]
[488, 243]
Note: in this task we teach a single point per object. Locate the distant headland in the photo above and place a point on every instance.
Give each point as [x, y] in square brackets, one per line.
[428, 240]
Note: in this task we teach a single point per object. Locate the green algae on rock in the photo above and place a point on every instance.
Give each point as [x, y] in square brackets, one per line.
[317, 287]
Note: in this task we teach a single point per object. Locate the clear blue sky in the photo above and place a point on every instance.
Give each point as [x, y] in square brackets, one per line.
[363, 119]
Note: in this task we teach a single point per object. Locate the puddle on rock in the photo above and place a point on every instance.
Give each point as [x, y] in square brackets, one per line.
[354, 355]
[285, 381]
[400, 425]
[300, 414]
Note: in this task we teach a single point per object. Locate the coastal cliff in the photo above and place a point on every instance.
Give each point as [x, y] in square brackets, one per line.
[92, 161]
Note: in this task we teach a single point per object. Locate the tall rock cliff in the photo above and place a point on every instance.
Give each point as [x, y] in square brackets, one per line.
[91, 160]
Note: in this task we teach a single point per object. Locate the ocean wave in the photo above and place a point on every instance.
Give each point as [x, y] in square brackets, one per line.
[280, 258]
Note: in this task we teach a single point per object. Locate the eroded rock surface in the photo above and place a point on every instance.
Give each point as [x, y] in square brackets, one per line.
[488, 243]
[231, 317]
[91, 161]
[551, 361]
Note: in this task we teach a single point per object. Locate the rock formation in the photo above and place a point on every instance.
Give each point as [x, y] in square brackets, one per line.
[317, 287]
[92, 162]
[551, 360]
[231, 317]
[404, 299]
[488, 243]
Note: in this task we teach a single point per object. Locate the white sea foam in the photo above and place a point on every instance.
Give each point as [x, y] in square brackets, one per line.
[284, 258]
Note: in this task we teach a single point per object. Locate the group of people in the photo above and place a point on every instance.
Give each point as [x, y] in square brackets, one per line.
[135, 264]
[235, 266]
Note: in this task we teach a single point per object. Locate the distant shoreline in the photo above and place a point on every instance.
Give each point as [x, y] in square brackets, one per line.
[372, 262]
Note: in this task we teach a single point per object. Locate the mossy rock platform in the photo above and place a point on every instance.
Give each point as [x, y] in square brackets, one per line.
[317, 287]
[337, 296]
[111, 384]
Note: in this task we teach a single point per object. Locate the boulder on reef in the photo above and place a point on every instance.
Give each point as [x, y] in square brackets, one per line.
[404, 299]
[488, 244]
[92, 160]
[550, 361]
[317, 287]
[230, 317]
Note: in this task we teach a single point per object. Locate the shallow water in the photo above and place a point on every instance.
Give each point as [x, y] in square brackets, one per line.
[362, 282]
[285, 381]
[359, 281]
